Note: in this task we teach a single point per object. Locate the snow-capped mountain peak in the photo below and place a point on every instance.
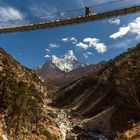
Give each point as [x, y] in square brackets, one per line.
[70, 55]
[66, 63]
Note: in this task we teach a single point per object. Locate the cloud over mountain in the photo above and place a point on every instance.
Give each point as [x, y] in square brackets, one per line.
[132, 27]
[93, 43]
[82, 45]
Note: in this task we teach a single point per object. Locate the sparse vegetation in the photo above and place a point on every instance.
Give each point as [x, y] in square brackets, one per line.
[117, 81]
[22, 103]
[22, 112]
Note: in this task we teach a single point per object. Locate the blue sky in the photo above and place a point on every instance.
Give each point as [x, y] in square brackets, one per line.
[91, 42]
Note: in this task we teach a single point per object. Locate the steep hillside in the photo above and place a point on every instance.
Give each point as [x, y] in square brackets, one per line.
[55, 79]
[22, 111]
[107, 98]
[22, 73]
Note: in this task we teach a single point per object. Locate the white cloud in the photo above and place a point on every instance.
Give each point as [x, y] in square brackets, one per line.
[65, 39]
[135, 27]
[91, 41]
[9, 14]
[94, 42]
[114, 21]
[89, 53]
[52, 45]
[122, 31]
[132, 27]
[47, 56]
[82, 45]
[74, 40]
[69, 39]
[47, 50]
[100, 47]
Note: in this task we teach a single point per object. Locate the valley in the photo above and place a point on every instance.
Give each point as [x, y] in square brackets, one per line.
[82, 102]
[91, 111]
[74, 82]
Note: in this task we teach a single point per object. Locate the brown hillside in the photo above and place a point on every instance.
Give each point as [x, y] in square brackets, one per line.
[115, 85]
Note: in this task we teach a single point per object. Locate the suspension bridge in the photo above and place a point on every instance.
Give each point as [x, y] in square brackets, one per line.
[98, 12]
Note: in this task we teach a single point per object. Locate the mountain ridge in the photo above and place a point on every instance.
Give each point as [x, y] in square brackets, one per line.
[56, 78]
[56, 72]
[65, 63]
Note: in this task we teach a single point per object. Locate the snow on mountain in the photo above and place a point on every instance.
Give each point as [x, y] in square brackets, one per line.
[66, 63]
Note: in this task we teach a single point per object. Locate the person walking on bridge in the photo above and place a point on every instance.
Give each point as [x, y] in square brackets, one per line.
[87, 11]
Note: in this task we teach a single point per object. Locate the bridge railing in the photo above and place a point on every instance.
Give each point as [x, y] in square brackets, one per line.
[96, 9]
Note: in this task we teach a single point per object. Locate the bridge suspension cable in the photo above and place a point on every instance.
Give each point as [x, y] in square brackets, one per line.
[71, 17]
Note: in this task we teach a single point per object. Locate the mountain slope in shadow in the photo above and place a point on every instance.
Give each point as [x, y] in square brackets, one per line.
[109, 97]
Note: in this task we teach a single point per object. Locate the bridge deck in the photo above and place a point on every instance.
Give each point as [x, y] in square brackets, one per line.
[69, 21]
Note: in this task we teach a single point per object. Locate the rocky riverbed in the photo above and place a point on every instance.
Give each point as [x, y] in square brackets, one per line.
[71, 128]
